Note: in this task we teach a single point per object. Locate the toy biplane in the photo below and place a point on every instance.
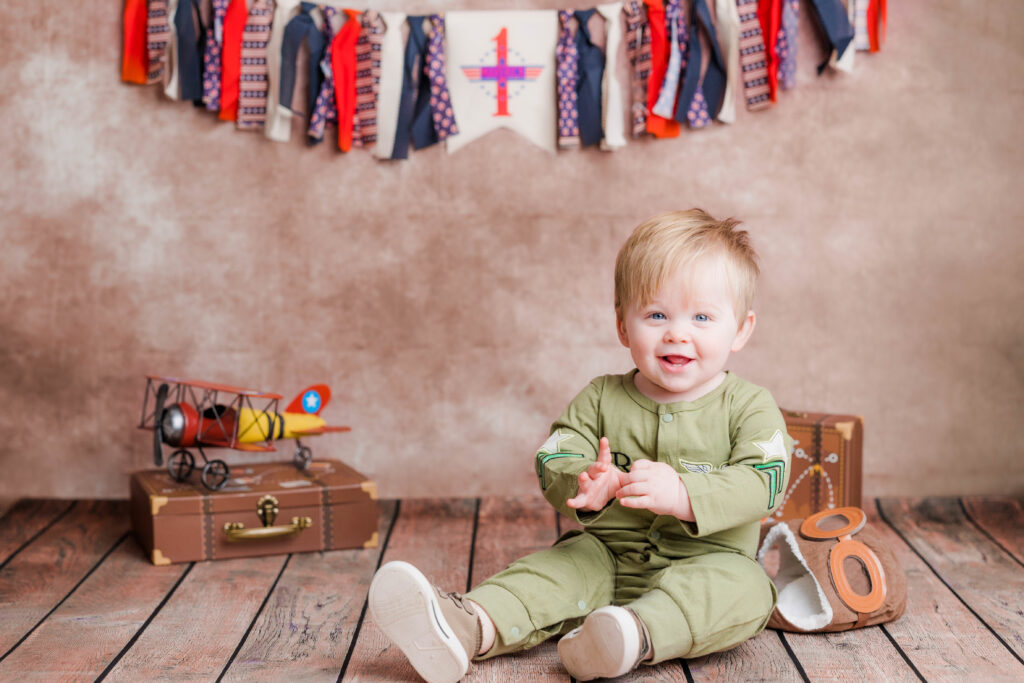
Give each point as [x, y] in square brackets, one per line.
[192, 414]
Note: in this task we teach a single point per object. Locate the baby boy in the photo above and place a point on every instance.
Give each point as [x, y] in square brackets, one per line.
[664, 565]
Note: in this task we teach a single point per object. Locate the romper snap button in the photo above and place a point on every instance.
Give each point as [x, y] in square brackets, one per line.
[515, 631]
[655, 535]
[667, 417]
[581, 604]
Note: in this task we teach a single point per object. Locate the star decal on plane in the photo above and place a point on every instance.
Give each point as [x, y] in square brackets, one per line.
[311, 402]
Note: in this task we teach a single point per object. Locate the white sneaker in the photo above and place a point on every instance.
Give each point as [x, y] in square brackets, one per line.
[438, 632]
[609, 643]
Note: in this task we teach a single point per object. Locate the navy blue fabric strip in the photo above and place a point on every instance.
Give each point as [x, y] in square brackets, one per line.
[190, 42]
[714, 77]
[691, 79]
[588, 83]
[836, 24]
[301, 27]
[423, 133]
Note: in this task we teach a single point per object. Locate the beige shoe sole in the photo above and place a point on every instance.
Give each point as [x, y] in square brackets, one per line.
[404, 605]
[605, 646]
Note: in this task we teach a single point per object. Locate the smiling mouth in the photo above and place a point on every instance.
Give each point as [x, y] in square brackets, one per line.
[675, 362]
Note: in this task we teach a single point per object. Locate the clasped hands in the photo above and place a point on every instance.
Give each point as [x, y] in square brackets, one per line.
[649, 485]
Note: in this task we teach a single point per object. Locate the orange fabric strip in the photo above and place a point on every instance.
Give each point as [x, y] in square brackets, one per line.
[658, 126]
[770, 14]
[343, 63]
[135, 64]
[876, 24]
[231, 58]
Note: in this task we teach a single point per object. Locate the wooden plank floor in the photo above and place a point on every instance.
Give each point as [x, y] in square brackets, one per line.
[79, 601]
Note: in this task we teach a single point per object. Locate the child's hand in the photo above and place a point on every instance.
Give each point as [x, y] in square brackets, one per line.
[599, 482]
[655, 486]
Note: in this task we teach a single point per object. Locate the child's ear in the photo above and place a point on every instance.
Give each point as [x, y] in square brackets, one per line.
[746, 329]
[620, 327]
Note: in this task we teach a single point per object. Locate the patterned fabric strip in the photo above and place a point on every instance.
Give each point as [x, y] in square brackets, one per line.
[252, 88]
[212, 56]
[368, 50]
[752, 57]
[638, 50]
[440, 101]
[158, 32]
[860, 25]
[568, 114]
[786, 45]
[325, 110]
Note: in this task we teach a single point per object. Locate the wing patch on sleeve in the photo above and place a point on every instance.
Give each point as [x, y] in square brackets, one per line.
[542, 460]
[774, 470]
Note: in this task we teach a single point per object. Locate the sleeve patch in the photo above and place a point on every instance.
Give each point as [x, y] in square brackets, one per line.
[774, 448]
[551, 445]
[774, 470]
[542, 460]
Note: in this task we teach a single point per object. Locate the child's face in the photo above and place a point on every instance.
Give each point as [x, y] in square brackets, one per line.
[681, 341]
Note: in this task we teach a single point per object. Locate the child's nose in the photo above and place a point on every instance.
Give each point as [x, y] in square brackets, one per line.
[677, 332]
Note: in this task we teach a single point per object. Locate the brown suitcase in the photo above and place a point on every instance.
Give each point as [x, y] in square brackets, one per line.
[263, 509]
[826, 464]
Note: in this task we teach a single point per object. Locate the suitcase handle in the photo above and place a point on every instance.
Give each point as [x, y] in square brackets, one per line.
[267, 509]
[236, 531]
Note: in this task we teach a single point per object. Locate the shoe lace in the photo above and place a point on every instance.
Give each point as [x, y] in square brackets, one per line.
[457, 598]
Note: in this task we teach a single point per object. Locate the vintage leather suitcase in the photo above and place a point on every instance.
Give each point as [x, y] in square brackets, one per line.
[263, 509]
[826, 464]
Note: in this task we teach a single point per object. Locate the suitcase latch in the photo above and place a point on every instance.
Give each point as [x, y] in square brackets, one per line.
[267, 508]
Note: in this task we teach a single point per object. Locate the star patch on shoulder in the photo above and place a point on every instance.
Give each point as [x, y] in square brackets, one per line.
[551, 445]
[775, 448]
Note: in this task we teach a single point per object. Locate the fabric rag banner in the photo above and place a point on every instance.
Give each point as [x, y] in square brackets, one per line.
[501, 74]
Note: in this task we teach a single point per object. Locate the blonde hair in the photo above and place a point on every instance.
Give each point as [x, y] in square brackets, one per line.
[666, 243]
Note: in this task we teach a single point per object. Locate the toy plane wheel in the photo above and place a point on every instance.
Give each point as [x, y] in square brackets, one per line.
[180, 464]
[303, 456]
[215, 474]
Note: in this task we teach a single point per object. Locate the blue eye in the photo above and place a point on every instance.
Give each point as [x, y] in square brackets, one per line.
[701, 317]
[658, 316]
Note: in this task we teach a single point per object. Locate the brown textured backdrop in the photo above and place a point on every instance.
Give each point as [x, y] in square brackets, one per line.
[455, 304]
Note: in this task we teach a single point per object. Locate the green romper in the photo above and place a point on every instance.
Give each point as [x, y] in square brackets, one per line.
[695, 585]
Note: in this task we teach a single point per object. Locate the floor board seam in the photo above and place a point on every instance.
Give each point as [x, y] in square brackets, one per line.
[472, 545]
[68, 595]
[39, 533]
[255, 618]
[793, 657]
[984, 531]
[362, 614]
[902, 653]
[145, 625]
[881, 513]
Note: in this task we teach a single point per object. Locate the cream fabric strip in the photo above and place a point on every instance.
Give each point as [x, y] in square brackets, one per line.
[392, 67]
[278, 126]
[728, 30]
[171, 86]
[612, 120]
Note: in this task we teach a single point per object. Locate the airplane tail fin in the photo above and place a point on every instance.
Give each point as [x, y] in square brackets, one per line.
[310, 400]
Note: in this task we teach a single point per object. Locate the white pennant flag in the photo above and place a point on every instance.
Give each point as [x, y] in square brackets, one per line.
[501, 74]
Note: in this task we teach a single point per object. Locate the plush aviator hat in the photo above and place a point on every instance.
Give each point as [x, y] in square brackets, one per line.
[833, 579]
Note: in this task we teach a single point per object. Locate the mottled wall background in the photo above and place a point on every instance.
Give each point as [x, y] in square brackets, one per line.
[455, 304]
